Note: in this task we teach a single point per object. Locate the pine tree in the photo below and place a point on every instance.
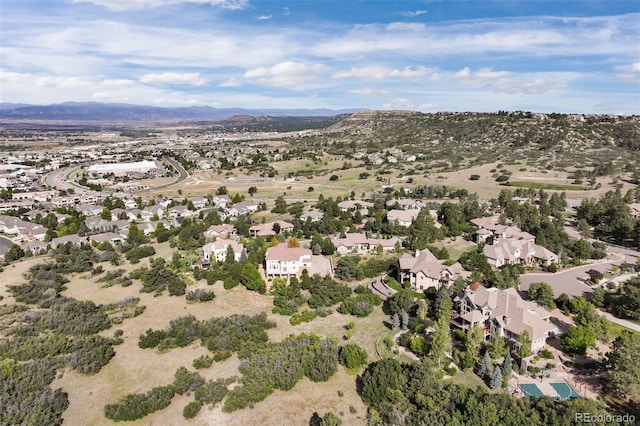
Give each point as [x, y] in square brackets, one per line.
[496, 379]
[395, 321]
[506, 365]
[405, 320]
[485, 366]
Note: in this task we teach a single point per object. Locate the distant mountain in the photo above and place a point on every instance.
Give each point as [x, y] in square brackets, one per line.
[92, 111]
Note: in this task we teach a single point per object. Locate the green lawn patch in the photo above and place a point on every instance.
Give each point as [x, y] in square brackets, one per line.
[392, 283]
[617, 329]
[545, 185]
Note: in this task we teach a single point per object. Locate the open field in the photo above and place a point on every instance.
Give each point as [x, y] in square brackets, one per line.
[135, 370]
[298, 188]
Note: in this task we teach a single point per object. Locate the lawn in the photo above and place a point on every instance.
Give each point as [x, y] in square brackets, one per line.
[545, 185]
[397, 287]
[617, 329]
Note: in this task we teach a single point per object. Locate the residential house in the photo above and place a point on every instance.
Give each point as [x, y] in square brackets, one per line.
[286, 262]
[490, 227]
[635, 210]
[268, 229]
[354, 242]
[313, 215]
[110, 237]
[402, 217]
[405, 204]
[217, 251]
[223, 231]
[424, 270]
[5, 245]
[353, 205]
[503, 314]
[512, 251]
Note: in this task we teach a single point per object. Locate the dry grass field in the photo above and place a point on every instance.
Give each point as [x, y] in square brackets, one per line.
[238, 181]
[135, 370]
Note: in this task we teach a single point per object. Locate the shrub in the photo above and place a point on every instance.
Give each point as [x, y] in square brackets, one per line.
[352, 357]
[474, 177]
[205, 361]
[191, 409]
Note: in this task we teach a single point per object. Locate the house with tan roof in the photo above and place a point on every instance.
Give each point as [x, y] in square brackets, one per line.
[217, 251]
[223, 231]
[268, 229]
[355, 242]
[403, 217]
[424, 270]
[504, 314]
[286, 262]
[512, 251]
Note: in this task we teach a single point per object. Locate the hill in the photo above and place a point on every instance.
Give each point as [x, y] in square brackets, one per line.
[452, 141]
[101, 112]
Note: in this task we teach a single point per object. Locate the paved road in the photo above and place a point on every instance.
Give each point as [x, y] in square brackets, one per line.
[181, 171]
[622, 322]
[58, 178]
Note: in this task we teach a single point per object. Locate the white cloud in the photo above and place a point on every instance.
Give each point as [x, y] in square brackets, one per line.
[108, 97]
[400, 103]
[118, 82]
[231, 82]
[376, 72]
[413, 14]
[62, 82]
[168, 78]
[630, 73]
[264, 17]
[120, 5]
[288, 74]
[369, 91]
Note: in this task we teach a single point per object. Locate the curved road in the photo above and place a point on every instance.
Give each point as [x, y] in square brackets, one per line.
[58, 178]
[181, 171]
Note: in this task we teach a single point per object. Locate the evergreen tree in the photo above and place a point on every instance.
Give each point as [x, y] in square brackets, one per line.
[507, 365]
[496, 379]
[395, 321]
[405, 320]
[485, 366]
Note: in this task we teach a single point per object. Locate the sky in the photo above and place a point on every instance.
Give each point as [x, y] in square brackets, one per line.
[568, 56]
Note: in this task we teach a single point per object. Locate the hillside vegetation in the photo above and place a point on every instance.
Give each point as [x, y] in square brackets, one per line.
[452, 141]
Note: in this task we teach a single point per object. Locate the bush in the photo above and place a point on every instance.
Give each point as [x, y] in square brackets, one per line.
[205, 361]
[333, 178]
[304, 316]
[352, 357]
[474, 177]
[502, 178]
[191, 409]
[200, 295]
[134, 255]
[136, 406]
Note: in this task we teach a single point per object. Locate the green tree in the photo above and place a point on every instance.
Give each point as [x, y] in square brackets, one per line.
[598, 297]
[507, 365]
[623, 374]
[496, 378]
[280, 205]
[525, 344]
[330, 419]
[542, 294]
[135, 236]
[473, 340]
[250, 277]
[352, 357]
[15, 252]
[485, 365]
[578, 339]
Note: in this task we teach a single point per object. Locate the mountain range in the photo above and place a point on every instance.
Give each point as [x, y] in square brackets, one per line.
[114, 112]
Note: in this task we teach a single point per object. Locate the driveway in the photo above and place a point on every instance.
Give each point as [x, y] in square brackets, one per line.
[567, 281]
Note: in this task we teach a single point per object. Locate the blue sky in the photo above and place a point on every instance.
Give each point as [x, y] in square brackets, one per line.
[448, 55]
